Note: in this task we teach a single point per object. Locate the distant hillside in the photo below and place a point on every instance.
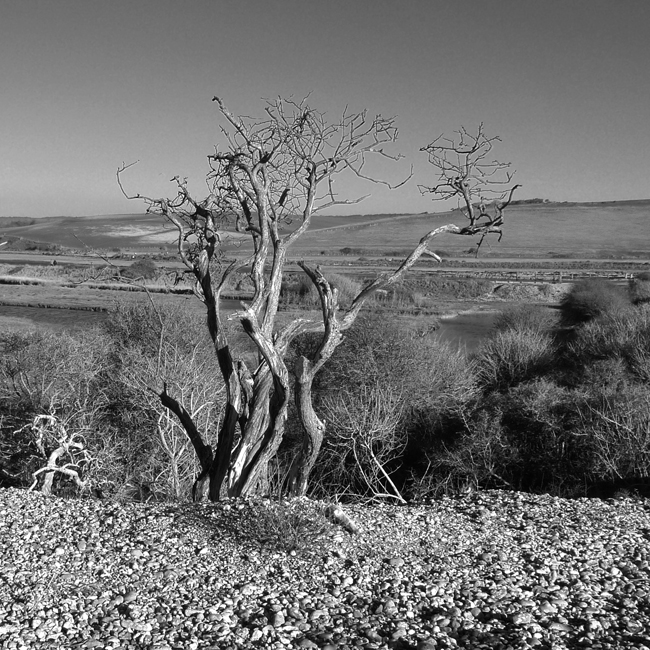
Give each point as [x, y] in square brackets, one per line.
[534, 227]
[13, 222]
[125, 230]
[548, 229]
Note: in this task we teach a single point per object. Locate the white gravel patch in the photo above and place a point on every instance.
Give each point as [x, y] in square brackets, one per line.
[489, 570]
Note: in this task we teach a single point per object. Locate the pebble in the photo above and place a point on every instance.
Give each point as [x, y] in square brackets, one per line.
[494, 569]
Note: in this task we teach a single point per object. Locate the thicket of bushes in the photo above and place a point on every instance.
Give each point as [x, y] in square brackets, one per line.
[142, 269]
[562, 409]
[640, 288]
[101, 385]
[591, 298]
[559, 405]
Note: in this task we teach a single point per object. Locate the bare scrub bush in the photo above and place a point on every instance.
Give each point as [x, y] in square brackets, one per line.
[140, 325]
[169, 467]
[157, 348]
[142, 269]
[473, 458]
[540, 418]
[567, 415]
[618, 428]
[425, 293]
[591, 298]
[524, 439]
[512, 356]
[430, 374]
[365, 442]
[622, 337]
[103, 386]
[42, 374]
[395, 390]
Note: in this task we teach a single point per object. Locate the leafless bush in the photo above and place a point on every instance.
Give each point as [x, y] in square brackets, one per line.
[173, 467]
[623, 336]
[383, 395]
[103, 385]
[619, 432]
[511, 356]
[46, 372]
[536, 318]
[476, 459]
[365, 438]
[287, 527]
[302, 291]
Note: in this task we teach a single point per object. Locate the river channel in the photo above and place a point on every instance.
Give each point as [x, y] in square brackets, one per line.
[465, 330]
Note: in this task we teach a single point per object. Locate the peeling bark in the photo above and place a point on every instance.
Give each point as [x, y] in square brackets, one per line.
[313, 427]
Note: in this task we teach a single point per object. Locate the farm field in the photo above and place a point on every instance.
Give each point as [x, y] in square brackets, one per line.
[547, 230]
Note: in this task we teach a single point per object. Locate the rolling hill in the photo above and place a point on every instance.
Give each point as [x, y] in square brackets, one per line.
[612, 229]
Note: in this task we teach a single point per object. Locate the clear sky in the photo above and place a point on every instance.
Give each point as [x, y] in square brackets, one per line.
[87, 84]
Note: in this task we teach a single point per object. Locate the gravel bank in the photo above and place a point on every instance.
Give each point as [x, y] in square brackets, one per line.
[489, 570]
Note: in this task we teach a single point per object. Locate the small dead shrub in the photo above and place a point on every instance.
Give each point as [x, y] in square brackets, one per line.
[618, 427]
[286, 527]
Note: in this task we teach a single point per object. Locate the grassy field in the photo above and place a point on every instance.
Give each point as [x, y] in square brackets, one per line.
[548, 230]
[533, 231]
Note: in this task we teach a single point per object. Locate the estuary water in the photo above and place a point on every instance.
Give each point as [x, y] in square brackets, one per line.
[465, 330]
[21, 318]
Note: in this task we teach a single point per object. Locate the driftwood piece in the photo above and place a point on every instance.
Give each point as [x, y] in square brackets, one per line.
[336, 514]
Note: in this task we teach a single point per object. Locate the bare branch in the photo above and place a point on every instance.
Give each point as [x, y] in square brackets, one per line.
[466, 173]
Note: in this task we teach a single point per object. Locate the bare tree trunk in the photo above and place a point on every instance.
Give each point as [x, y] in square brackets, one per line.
[313, 430]
[267, 417]
[219, 468]
[254, 478]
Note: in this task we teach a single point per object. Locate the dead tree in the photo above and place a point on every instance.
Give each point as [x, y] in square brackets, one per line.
[266, 184]
[466, 173]
[49, 431]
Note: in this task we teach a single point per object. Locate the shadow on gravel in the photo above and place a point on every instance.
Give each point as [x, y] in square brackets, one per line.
[272, 526]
